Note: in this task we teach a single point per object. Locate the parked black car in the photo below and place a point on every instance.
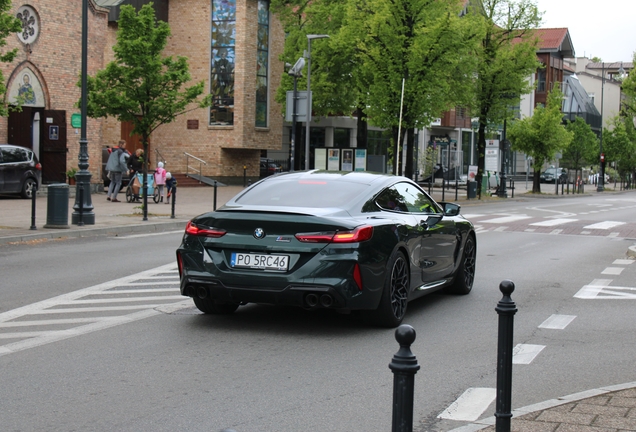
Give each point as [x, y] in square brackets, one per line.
[550, 175]
[269, 167]
[20, 171]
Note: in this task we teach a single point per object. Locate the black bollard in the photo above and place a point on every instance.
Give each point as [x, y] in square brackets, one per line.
[214, 208]
[404, 366]
[506, 310]
[80, 221]
[174, 199]
[33, 196]
[456, 188]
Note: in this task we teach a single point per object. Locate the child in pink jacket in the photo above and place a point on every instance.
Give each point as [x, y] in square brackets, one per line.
[160, 179]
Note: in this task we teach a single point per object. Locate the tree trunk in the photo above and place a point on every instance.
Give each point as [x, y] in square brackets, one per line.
[362, 125]
[145, 174]
[536, 182]
[410, 145]
[481, 160]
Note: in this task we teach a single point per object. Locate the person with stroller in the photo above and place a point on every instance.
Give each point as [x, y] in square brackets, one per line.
[160, 179]
[116, 166]
[171, 185]
[136, 165]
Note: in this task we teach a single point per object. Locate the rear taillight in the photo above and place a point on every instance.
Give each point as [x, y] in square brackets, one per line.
[38, 166]
[197, 230]
[359, 234]
[357, 277]
[180, 264]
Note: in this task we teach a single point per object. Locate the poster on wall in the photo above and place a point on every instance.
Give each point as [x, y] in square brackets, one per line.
[347, 160]
[361, 159]
[320, 159]
[333, 160]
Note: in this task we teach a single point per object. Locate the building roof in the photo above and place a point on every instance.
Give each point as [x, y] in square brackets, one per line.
[577, 103]
[555, 40]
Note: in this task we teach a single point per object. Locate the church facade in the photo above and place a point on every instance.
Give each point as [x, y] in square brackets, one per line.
[231, 45]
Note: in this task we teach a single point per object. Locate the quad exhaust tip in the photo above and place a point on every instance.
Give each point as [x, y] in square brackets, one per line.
[202, 292]
[312, 300]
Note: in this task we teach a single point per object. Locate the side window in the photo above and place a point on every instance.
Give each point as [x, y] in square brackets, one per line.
[407, 198]
[12, 155]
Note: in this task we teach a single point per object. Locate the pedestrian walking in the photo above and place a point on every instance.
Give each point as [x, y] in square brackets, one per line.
[171, 184]
[160, 179]
[116, 166]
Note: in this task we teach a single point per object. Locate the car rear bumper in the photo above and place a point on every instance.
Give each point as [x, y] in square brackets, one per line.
[309, 296]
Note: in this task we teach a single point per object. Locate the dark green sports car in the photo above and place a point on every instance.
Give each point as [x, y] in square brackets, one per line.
[348, 241]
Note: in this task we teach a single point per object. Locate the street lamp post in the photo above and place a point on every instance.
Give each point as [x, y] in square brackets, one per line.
[83, 207]
[601, 176]
[310, 37]
[295, 72]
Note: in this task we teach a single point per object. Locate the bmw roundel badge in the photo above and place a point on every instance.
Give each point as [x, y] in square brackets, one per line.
[259, 233]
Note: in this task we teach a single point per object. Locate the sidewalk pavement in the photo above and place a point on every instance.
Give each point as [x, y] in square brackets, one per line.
[605, 409]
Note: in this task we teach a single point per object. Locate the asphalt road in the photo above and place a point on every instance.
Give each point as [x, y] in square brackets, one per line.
[168, 367]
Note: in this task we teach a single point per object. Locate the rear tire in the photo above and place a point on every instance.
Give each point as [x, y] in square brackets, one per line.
[129, 194]
[28, 187]
[392, 307]
[465, 276]
[213, 307]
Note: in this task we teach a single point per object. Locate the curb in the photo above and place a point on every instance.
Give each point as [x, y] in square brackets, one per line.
[541, 406]
[57, 234]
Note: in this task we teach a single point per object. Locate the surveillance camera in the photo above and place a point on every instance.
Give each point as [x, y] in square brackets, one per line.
[297, 68]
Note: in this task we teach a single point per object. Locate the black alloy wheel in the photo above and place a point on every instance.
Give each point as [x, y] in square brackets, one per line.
[465, 276]
[392, 307]
[28, 188]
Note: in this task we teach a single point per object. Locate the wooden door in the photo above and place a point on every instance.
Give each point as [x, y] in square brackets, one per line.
[133, 142]
[53, 146]
[21, 127]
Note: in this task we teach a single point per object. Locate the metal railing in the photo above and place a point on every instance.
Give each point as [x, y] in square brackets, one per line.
[188, 167]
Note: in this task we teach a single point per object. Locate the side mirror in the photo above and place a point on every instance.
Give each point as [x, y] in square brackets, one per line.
[451, 209]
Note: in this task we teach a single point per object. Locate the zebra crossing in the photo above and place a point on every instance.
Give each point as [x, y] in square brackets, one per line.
[102, 306]
[471, 405]
[553, 225]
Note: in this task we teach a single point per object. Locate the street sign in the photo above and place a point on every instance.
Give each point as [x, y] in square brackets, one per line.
[301, 106]
[76, 120]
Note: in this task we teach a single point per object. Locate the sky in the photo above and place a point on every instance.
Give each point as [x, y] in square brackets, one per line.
[598, 28]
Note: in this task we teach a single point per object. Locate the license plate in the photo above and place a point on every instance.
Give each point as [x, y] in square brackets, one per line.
[260, 261]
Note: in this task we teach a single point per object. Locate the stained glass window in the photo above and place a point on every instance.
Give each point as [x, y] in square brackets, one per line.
[262, 63]
[223, 59]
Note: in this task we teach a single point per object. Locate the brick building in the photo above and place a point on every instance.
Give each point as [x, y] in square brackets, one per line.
[231, 45]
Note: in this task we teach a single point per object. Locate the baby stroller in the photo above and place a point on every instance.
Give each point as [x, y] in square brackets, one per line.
[135, 187]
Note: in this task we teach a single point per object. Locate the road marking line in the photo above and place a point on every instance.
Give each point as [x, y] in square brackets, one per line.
[601, 289]
[613, 235]
[525, 353]
[506, 219]
[470, 405]
[94, 309]
[89, 328]
[623, 261]
[556, 231]
[125, 299]
[530, 229]
[501, 228]
[604, 225]
[613, 270]
[557, 322]
[553, 222]
[54, 322]
[132, 283]
[139, 291]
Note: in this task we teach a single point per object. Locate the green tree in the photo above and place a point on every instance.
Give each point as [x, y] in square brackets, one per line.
[542, 135]
[425, 44]
[142, 86]
[373, 46]
[628, 88]
[506, 59]
[619, 146]
[9, 24]
[583, 150]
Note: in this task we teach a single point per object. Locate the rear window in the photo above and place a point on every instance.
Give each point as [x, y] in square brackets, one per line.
[14, 155]
[303, 193]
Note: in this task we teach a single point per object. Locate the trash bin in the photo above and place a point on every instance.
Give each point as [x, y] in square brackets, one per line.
[57, 206]
[472, 189]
